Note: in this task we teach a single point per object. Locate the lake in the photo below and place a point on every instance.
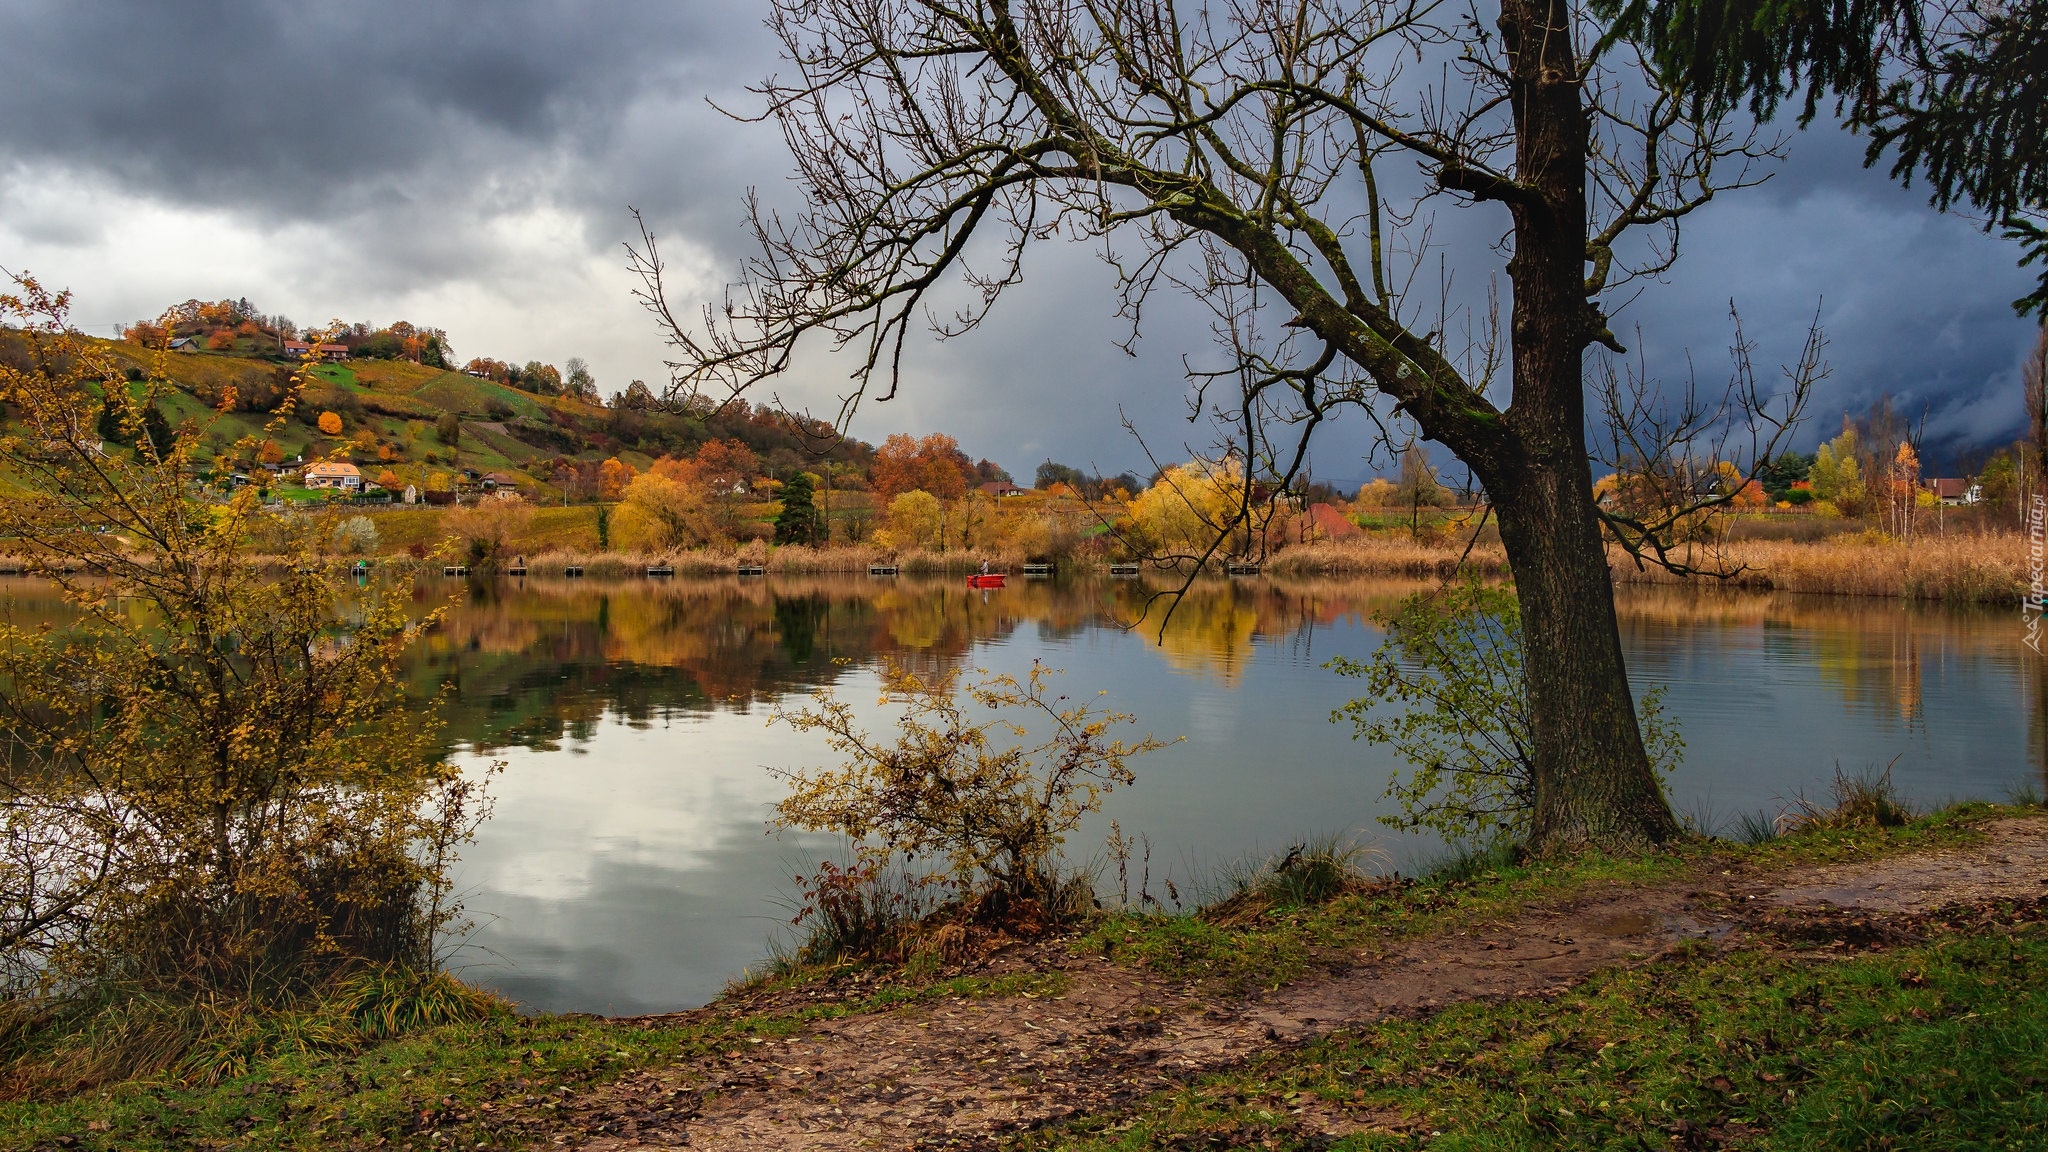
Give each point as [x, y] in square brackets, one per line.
[628, 868]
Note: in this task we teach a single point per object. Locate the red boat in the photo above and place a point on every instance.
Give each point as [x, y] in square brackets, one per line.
[986, 580]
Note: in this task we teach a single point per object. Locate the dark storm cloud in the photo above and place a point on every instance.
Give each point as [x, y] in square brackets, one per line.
[1914, 304]
[407, 132]
[306, 110]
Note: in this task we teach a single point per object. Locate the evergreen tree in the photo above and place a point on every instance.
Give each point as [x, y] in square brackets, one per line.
[109, 426]
[157, 431]
[800, 522]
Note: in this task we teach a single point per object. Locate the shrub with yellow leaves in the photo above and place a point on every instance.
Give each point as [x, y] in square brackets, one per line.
[216, 799]
[985, 792]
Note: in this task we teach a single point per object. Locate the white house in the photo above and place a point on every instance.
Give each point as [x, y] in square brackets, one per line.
[331, 475]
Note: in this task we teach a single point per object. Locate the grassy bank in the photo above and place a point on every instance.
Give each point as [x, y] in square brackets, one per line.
[495, 1083]
[1237, 955]
[1719, 1038]
[1940, 1043]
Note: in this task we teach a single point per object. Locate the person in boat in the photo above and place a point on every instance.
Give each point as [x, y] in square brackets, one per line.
[984, 567]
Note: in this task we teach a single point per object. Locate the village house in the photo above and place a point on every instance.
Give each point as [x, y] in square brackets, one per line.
[1002, 488]
[333, 475]
[1953, 491]
[185, 344]
[328, 352]
[492, 481]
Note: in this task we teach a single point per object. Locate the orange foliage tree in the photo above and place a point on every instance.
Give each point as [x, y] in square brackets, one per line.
[726, 464]
[1902, 489]
[612, 477]
[330, 423]
[934, 464]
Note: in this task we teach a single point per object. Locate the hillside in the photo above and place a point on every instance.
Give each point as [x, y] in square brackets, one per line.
[394, 417]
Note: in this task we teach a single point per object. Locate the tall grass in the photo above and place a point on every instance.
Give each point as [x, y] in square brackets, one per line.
[1315, 871]
[57, 1047]
[1388, 556]
[1978, 568]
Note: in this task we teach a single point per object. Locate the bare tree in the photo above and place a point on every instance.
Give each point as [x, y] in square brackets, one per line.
[1681, 458]
[1272, 158]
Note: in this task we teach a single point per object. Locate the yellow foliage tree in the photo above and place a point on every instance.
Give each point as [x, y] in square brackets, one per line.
[658, 512]
[1380, 493]
[490, 526]
[612, 478]
[917, 519]
[1188, 507]
[1836, 477]
[231, 807]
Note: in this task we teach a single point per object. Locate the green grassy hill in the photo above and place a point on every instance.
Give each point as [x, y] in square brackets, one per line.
[398, 417]
[390, 411]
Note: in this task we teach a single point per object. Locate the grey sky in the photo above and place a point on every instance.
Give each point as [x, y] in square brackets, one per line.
[469, 165]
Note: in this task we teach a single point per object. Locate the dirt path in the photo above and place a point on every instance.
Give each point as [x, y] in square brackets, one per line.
[962, 1073]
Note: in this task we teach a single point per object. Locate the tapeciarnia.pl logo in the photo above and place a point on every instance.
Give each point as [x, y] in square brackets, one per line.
[2037, 521]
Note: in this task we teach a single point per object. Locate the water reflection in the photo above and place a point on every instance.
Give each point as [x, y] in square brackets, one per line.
[627, 868]
[531, 664]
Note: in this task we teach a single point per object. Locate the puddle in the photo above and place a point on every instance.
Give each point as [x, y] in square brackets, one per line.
[1623, 924]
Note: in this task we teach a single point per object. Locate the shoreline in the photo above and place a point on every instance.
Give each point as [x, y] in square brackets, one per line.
[1986, 568]
[1173, 1026]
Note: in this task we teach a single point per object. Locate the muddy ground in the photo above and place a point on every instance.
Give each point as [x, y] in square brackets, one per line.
[964, 1073]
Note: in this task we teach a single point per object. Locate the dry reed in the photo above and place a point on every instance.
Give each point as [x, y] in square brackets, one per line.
[1980, 568]
[1383, 556]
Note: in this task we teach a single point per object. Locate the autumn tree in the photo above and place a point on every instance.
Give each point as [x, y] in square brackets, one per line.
[1185, 510]
[535, 376]
[1901, 490]
[330, 423]
[577, 380]
[218, 801]
[663, 509]
[1379, 492]
[488, 527]
[933, 464]
[448, 429]
[612, 477]
[1257, 157]
[489, 369]
[916, 519]
[146, 333]
[1837, 474]
[637, 397]
[726, 465]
